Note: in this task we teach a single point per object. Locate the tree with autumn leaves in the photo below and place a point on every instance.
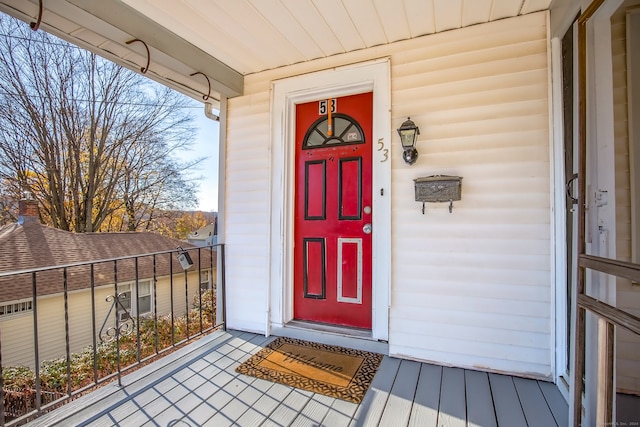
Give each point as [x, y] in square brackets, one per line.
[94, 143]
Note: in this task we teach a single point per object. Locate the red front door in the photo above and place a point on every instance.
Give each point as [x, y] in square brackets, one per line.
[333, 211]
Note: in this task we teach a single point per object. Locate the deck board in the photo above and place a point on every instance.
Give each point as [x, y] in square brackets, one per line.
[314, 411]
[453, 412]
[627, 409]
[480, 410]
[340, 413]
[534, 405]
[424, 412]
[559, 408]
[505, 400]
[289, 409]
[199, 387]
[398, 407]
[372, 406]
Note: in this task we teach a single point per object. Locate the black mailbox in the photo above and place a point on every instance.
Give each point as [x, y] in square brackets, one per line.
[438, 189]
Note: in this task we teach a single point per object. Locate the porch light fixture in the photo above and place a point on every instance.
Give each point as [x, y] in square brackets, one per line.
[408, 136]
[184, 258]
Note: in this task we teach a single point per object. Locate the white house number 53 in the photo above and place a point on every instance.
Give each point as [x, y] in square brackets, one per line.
[385, 151]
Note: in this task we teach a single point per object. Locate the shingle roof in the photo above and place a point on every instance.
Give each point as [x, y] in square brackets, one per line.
[33, 245]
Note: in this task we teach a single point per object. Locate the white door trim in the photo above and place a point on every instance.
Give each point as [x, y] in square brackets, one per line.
[559, 249]
[285, 94]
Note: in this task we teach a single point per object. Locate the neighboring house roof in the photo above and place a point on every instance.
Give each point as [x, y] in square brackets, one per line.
[32, 245]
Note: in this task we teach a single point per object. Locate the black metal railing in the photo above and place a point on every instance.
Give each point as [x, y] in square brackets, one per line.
[86, 324]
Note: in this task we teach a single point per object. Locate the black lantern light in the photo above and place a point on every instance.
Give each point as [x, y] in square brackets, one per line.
[408, 136]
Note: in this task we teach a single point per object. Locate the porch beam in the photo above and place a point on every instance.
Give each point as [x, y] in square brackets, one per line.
[224, 79]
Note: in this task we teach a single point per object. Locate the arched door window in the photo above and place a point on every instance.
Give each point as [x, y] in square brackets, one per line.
[344, 131]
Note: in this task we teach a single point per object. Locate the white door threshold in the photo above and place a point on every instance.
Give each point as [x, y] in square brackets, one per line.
[359, 339]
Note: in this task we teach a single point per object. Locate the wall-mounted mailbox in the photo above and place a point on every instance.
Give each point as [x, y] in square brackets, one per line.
[438, 189]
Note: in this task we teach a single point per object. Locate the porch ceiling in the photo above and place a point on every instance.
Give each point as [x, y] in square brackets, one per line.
[229, 39]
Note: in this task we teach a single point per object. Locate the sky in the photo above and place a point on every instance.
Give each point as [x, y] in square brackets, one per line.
[205, 145]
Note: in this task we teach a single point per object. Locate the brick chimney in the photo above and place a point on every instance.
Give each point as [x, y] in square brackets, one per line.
[28, 211]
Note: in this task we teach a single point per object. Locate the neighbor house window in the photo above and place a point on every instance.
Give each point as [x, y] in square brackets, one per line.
[7, 309]
[204, 281]
[127, 305]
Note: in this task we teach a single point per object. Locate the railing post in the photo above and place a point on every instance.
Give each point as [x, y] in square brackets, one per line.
[155, 306]
[186, 302]
[173, 338]
[199, 287]
[65, 285]
[223, 289]
[137, 284]
[36, 349]
[2, 421]
[93, 324]
[214, 292]
[117, 331]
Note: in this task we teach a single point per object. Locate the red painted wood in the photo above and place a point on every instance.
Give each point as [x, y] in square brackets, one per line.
[314, 258]
[314, 187]
[349, 270]
[350, 184]
[346, 191]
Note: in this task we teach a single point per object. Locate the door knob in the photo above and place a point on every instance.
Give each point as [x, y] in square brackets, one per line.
[367, 228]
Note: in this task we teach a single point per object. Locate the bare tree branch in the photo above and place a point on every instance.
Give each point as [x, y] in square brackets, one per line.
[89, 139]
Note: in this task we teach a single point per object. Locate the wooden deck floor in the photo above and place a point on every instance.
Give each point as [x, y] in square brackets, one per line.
[198, 386]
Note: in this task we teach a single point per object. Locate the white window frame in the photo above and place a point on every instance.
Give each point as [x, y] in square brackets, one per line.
[18, 307]
[205, 279]
[131, 288]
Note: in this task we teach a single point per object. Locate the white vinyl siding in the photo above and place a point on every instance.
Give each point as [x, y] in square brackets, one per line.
[471, 288]
[628, 295]
[247, 211]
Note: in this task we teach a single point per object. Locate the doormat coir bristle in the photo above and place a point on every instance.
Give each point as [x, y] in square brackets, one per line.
[330, 370]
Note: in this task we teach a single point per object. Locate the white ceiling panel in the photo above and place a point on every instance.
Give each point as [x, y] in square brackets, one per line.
[244, 23]
[393, 16]
[306, 14]
[505, 8]
[249, 36]
[366, 19]
[290, 29]
[531, 6]
[421, 17]
[195, 24]
[476, 12]
[335, 15]
[448, 14]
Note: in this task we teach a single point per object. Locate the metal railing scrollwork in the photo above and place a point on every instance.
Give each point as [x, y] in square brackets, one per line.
[122, 327]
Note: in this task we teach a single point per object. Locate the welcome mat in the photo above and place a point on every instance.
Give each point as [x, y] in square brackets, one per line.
[330, 370]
